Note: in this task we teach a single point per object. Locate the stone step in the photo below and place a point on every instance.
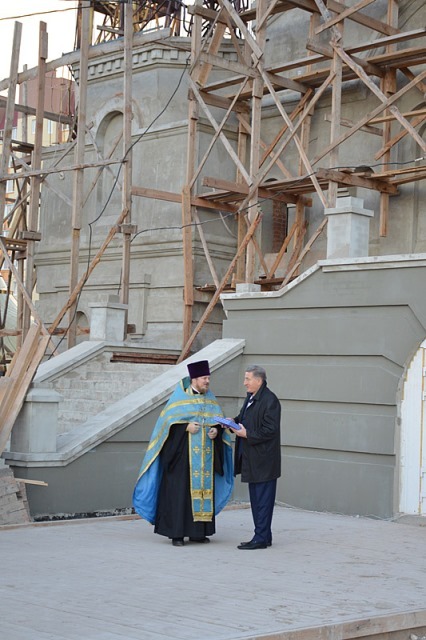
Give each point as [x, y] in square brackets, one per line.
[124, 385]
[97, 384]
[144, 375]
[70, 407]
[104, 365]
[100, 393]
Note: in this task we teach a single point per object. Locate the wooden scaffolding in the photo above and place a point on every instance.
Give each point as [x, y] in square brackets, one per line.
[246, 81]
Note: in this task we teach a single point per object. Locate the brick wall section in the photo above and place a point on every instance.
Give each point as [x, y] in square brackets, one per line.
[279, 225]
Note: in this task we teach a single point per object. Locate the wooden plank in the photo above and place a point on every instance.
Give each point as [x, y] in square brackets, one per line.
[299, 109]
[265, 191]
[256, 123]
[33, 210]
[370, 84]
[306, 249]
[393, 141]
[371, 23]
[87, 273]
[45, 172]
[196, 201]
[215, 137]
[295, 260]
[21, 286]
[251, 42]
[144, 358]
[29, 358]
[372, 114]
[345, 14]
[299, 145]
[31, 111]
[188, 273]
[78, 177]
[420, 86]
[344, 122]
[209, 59]
[9, 113]
[355, 180]
[280, 254]
[39, 483]
[126, 199]
[223, 63]
[336, 114]
[215, 298]
[242, 154]
[215, 126]
[107, 48]
[285, 141]
[388, 86]
[205, 247]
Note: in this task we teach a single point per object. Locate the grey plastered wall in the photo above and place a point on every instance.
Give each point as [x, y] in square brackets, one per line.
[159, 146]
[335, 345]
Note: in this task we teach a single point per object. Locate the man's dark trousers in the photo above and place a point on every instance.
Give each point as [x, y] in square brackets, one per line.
[262, 500]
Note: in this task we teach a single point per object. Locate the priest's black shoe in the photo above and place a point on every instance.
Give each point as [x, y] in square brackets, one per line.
[244, 544]
[178, 542]
[252, 545]
[203, 540]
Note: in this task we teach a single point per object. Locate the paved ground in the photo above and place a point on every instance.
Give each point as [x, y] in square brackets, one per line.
[113, 579]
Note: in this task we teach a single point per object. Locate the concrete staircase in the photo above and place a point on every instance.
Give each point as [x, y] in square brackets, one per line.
[90, 390]
[97, 383]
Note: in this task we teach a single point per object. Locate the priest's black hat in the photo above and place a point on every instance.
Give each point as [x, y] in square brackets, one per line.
[198, 369]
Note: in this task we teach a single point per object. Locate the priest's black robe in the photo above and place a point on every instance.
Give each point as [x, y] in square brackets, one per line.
[174, 517]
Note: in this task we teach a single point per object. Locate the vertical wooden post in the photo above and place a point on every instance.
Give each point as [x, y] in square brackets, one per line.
[300, 205]
[10, 110]
[22, 222]
[256, 118]
[79, 173]
[192, 154]
[336, 114]
[24, 116]
[188, 291]
[33, 212]
[388, 86]
[127, 153]
[242, 150]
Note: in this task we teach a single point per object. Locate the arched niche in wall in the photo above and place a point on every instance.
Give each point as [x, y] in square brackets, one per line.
[82, 327]
[412, 471]
[109, 143]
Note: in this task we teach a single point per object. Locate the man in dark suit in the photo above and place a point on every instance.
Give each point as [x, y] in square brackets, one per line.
[258, 453]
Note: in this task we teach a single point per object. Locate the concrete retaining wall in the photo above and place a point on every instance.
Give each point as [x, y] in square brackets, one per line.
[335, 344]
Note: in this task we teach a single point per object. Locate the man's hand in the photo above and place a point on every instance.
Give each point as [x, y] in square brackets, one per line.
[242, 432]
[212, 433]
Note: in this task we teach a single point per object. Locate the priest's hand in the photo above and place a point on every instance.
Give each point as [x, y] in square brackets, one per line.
[212, 433]
[193, 427]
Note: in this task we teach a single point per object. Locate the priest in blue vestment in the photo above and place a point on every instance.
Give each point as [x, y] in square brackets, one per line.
[186, 476]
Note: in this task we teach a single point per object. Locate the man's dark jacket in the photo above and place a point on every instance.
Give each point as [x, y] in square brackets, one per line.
[258, 457]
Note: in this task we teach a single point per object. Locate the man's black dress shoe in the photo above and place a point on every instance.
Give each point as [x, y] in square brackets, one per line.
[178, 542]
[244, 544]
[203, 540]
[252, 545]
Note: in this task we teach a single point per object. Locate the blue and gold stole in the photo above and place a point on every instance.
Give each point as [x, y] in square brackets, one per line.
[184, 406]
